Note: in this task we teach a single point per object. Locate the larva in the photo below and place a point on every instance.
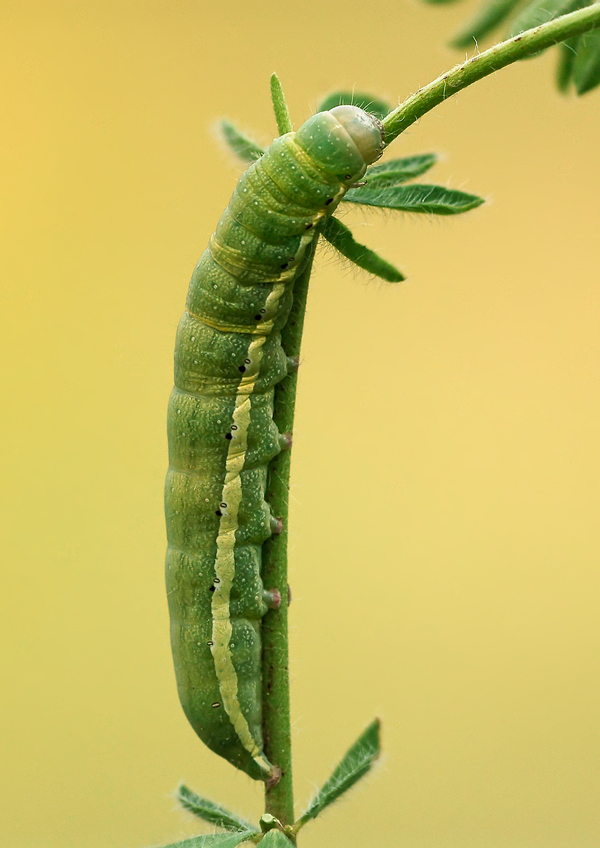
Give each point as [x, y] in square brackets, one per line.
[228, 358]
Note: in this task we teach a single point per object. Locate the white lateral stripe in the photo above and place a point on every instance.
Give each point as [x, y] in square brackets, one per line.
[225, 556]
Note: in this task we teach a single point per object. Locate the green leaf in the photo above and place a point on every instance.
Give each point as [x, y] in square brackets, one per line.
[483, 22]
[439, 2]
[566, 61]
[541, 11]
[586, 66]
[282, 116]
[354, 98]
[275, 839]
[416, 198]
[342, 239]
[356, 762]
[213, 840]
[210, 811]
[243, 147]
[400, 170]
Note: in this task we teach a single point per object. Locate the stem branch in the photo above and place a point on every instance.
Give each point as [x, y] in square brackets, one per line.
[279, 799]
[499, 56]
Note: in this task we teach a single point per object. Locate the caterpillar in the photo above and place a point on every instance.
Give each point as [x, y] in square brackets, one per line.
[228, 359]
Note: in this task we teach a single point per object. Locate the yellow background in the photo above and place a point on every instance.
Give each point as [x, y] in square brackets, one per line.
[445, 550]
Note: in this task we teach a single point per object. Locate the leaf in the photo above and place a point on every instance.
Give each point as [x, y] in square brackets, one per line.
[416, 198]
[483, 22]
[282, 116]
[541, 11]
[364, 101]
[400, 170]
[439, 2]
[243, 147]
[586, 66]
[566, 61]
[275, 839]
[356, 762]
[213, 840]
[342, 239]
[210, 811]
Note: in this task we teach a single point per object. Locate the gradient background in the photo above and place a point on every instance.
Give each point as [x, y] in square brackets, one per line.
[445, 550]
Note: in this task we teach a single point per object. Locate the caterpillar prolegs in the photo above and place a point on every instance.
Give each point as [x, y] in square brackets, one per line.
[228, 358]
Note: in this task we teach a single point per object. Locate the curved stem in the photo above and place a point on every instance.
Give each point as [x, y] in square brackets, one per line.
[279, 799]
[499, 56]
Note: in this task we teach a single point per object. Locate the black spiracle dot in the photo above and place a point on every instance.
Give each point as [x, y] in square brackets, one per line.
[242, 368]
[262, 311]
[217, 580]
[247, 361]
[327, 202]
[234, 426]
[215, 705]
[347, 176]
[210, 643]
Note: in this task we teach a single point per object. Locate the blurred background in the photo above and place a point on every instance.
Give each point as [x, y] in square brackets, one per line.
[445, 550]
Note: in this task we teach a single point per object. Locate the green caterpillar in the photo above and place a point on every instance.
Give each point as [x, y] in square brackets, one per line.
[228, 358]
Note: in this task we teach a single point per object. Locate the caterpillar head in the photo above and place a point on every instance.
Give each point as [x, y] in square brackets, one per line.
[365, 130]
[343, 141]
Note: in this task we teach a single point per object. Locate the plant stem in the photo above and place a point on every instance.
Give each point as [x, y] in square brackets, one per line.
[279, 799]
[499, 56]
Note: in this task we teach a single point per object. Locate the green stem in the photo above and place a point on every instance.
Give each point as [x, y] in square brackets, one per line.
[499, 56]
[279, 799]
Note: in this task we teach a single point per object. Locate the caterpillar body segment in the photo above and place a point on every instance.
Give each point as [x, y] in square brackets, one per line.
[228, 359]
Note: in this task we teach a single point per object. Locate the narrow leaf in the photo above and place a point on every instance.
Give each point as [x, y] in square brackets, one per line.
[400, 170]
[275, 839]
[416, 198]
[213, 840]
[586, 67]
[282, 116]
[342, 239]
[483, 22]
[439, 2]
[210, 811]
[356, 762]
[541, 11]
[566, 61]
[243, 147]
[354, 98]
